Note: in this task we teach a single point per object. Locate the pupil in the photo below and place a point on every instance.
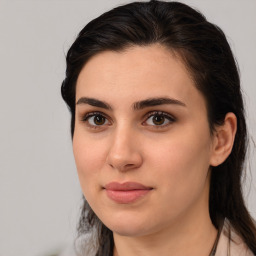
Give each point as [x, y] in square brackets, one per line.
[158, 120]
[99, 120]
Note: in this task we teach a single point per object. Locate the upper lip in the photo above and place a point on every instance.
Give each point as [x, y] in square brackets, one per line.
[126, 186]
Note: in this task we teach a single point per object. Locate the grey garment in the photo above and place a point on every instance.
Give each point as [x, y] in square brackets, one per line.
[229, 243]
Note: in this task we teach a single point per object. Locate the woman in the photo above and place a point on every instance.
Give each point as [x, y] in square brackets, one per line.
[159, 134]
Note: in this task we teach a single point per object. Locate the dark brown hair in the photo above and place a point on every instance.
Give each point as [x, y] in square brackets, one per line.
[207, 55]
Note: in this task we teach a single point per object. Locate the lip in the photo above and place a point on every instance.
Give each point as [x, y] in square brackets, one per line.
[125, 193]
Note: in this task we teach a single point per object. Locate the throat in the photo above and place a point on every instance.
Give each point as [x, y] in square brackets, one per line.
[183, 243]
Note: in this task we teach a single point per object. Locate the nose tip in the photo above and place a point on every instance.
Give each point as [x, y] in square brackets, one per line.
[124, 164]
[124, 154]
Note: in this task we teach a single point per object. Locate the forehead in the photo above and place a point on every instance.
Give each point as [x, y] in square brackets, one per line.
[135, 73]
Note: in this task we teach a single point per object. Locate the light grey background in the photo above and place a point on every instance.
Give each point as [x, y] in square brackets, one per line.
[39, 190]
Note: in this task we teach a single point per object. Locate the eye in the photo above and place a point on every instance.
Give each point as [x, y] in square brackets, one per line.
[159, 118]
[95, 119]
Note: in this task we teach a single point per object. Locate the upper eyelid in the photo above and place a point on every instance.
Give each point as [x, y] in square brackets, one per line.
[152, 112]
[93, 113]
[159, 112]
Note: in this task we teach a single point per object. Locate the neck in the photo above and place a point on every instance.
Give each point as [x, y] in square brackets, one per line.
[195, 239]
[192, 233]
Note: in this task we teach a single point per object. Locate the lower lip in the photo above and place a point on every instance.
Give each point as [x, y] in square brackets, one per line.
[126, 196]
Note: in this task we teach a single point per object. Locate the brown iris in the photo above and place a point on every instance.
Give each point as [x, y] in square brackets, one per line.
[99, 120]
[158, 119]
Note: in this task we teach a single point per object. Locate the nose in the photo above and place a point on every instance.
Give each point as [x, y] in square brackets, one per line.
[124, 153]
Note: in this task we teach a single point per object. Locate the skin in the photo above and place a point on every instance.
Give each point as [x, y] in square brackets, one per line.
[173, 158]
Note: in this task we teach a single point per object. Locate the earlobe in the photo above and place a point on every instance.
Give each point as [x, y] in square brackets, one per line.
[223, 140]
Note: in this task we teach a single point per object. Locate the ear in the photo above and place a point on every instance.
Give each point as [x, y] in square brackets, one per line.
[223, 140]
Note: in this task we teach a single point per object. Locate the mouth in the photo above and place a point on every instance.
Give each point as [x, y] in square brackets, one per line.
[125, 193]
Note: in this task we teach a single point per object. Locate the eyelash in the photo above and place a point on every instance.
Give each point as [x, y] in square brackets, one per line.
[94, 114]
[165, 115]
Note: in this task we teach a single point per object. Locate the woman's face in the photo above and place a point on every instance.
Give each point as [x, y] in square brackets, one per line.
[141, 143]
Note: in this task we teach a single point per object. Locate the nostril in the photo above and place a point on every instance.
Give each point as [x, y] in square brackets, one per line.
[124, 159]
[129, 165]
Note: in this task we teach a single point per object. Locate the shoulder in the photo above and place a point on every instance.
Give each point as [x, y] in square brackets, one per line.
[230, 243]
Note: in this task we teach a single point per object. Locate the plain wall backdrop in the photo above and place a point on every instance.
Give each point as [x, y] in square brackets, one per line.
[40, 193]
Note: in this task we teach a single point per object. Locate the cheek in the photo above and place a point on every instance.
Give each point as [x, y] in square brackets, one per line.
[180, 150]
[89, 157]
[181, 163]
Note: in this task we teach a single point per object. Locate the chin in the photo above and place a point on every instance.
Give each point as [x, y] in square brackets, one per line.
[128, 230]
[128, 226]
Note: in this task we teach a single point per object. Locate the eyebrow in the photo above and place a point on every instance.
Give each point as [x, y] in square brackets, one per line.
[155, 102]
[94, 102]
[136, 106]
